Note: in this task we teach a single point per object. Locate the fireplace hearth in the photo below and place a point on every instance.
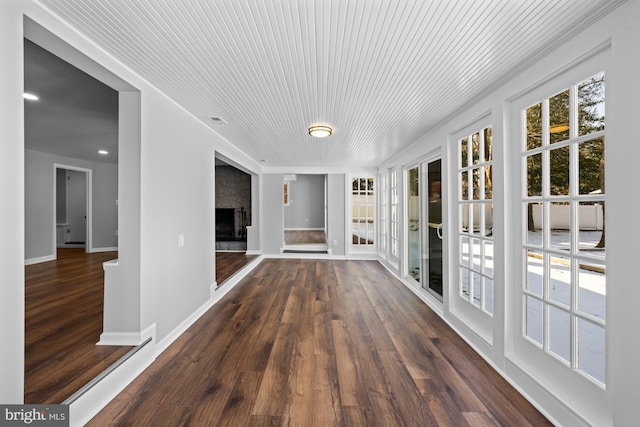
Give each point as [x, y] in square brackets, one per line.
[225, 223]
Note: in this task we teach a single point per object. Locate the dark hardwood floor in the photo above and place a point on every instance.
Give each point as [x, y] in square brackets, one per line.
[63, 323]
[319, 343]
[293, 237]
[228, 263]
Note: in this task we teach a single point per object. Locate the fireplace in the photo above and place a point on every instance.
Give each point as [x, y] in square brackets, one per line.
[225, 223]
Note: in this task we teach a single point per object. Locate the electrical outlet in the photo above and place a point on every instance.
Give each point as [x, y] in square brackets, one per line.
[335, 243]
[180, 240]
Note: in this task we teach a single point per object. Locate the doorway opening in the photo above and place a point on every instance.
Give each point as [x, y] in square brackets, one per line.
[305, 213]
[72, 207]
[424, 226]
[233, 218]
[74, 131]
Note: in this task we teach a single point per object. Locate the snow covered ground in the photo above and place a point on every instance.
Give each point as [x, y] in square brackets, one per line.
[590, 298]
[590, 288]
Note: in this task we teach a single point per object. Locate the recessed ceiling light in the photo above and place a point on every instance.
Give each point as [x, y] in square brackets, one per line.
[30, 96]
[103, 152]
[320, 131]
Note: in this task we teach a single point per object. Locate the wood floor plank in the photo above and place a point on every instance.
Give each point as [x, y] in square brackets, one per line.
[412, 408]
[319, 343]
[322, 333]
[298, 408]
[327, 409]
[228, 263]
[372, 389]
[273, 389]
[346, 365]
[63, 323]
[237, 411]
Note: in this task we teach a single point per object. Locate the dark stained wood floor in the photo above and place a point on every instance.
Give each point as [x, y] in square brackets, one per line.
[64, 302]
[228, 263]
[319, 343]
[63, 323]
[294, 237]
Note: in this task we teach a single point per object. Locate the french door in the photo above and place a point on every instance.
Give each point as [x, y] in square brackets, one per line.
[424, 225]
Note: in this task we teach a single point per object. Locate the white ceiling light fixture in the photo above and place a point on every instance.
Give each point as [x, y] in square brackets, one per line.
[30, 96]
[103, 152]
[320, 131]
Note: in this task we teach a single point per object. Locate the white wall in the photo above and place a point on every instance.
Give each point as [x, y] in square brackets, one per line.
[177, 198]
[306, 202]
[12, 197]
[40, 205]
[336, 222]
[272, 213]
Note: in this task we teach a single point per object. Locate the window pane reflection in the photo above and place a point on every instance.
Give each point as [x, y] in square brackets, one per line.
[559, 171]
[591, 105]
[591, 345]
[534, 126]
[533, 326]
[591, 167]
[559, 117]
[534, 175]
[559, 332]
[534, 272]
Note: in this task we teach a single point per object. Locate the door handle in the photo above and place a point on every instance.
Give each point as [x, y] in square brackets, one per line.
[439, 231]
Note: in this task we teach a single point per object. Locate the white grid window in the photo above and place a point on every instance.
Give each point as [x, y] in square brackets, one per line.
[383, 212]
[564, 257]
[475, 225]
[395, 224]
[363, 208]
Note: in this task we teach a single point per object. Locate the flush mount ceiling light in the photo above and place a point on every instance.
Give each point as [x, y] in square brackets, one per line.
[103, 152]
[320, 131]
[30, 96]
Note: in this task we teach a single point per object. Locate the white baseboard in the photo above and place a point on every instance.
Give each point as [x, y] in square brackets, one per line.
[38, 260]
[121, 338]
[89, 404]
[217, 292]
[254, 252]
[304, 229]
[97, 397]
[112, 249]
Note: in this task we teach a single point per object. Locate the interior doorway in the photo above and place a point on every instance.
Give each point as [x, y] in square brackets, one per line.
[73, 131]
[305, 213]
[72, 207]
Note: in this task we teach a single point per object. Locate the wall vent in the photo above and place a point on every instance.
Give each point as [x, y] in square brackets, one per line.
[218, 120]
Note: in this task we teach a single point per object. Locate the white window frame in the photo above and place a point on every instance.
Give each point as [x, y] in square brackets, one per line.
[286, 193]
[384, 214]
[552, 373]
[364, 247]
[473, 316]
[394, 215]
[480, 273]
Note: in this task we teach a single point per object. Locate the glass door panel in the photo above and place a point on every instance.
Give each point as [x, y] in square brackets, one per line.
[413, 223]
[432, 237]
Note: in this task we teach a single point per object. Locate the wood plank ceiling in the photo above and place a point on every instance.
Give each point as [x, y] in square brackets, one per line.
[381, 73]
